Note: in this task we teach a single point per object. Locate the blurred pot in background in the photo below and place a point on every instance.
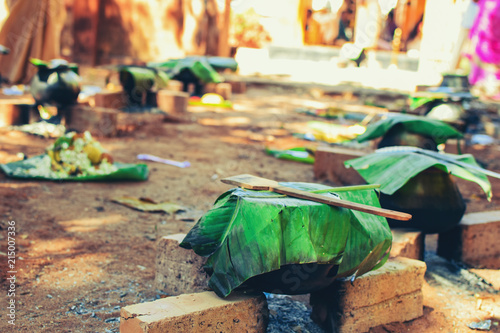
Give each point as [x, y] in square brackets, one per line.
[57, 82]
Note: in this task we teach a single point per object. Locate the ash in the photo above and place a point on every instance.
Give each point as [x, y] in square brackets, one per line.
[288, 315]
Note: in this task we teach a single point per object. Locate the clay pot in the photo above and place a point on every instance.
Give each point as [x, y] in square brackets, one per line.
[432, 198]
[398, 136]
[295, 279]
[57, 84]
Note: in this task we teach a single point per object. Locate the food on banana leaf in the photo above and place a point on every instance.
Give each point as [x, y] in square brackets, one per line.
[72, 155]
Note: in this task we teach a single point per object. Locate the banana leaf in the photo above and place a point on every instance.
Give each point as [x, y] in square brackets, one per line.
[142, 78]
[298, 154]
[393, 168]
[436, 129]
[205, 72]
[54, 64]
[416, 102]
[199, 66]
[250, 233]
[218, 63]
[222, 63]
[126, 171]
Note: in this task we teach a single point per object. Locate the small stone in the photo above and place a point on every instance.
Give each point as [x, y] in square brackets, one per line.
[112, 320]
[150, 237]
[484, 325]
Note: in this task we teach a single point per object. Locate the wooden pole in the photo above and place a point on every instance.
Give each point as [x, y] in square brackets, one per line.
[225, 21]
[85, 26]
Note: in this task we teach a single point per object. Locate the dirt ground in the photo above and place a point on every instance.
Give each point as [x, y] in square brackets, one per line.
[81, 257]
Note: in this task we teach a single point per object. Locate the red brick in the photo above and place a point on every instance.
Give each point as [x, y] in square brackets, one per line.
[408, 244]
[209, 87]
[98, 121]
[474, 240]
[224, 89]
[329, 164]
[391, 293]
[238, 87]
[129, 122]
[398, 309]
[175, 85]
[199, 312]
[13, 112]
[108, 99]
[172, 102]
[178, 270]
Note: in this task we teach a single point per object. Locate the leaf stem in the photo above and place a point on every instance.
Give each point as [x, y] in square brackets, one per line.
[347, 188]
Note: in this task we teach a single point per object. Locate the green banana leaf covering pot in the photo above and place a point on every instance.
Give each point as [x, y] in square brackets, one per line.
[418, 182]
[137, 81]
[57, 82]
[195, 70]
[409, 130]
[274, 243]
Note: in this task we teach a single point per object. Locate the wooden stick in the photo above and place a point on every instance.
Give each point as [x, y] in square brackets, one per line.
[257, 183]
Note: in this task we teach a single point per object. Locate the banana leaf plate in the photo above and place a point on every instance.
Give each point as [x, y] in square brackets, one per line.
[125, 171]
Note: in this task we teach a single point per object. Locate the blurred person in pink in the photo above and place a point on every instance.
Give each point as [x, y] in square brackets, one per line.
[485, 40]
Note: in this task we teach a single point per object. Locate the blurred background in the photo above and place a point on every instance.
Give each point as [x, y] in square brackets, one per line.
[305, 39]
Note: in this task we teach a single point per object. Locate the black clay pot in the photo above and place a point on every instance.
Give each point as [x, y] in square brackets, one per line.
[432, 198]
[398, 136]
[294, 279]
[55, 83]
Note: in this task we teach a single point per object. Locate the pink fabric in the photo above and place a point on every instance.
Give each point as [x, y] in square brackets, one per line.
[485, 31]
[485, 37]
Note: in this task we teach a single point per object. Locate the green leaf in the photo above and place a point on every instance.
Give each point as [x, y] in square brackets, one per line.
[206, 236]
[218, 63]
[392, 168]
[199, 66]
[205, 72]
[416, 102]
[222, 63]
[39, 62]
[63, 139]
[370, 238]
[143, 77]
[249, 233]
[436, 129]
[298, 154]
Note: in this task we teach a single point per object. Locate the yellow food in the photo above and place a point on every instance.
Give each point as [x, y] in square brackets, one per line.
[93, 153]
